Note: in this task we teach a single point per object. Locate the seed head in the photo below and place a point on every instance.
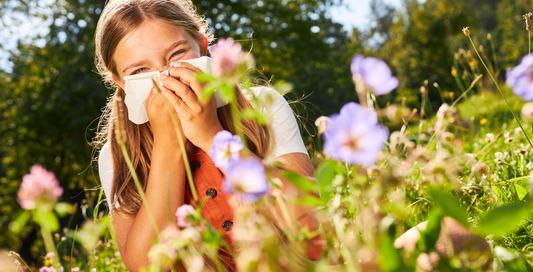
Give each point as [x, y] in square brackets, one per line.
[527, 17]
[423, 90]
[489, 36]
[466, 31]
[120, 132]
[435, 84]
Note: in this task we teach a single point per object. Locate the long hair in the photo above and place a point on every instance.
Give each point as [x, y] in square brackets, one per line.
[119, 18]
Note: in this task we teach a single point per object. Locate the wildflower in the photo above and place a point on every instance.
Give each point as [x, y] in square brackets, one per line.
[509, 140]
[246, 180]
[499, 157]
[435, 84]
[75, 269]
[321, 123]
[225, 149]
[489, 36]
[527, 17]
[466, 31]
[522, 151]
[39, 187]
[163, 255]
[374, 74]
[354, 135]
[47, 269]
[480, 168]
[527, 112]
[520, 78]
[227, 56]
[454, 71]
[182, 213]
[423, 90]
[489, 138]
[518, 130]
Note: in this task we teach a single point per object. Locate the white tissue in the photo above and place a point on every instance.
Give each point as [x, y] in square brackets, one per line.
[138, 88]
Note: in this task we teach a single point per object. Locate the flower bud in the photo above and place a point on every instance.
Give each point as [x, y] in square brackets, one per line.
[435, 84]
[454, 71]
[466, 31]
[423, 90]
[489, 36]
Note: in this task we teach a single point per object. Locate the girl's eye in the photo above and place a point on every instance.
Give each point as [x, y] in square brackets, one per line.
[140, 70]
[177, 53]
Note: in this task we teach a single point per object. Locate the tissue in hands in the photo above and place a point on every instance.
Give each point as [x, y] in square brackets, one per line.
[138, 88]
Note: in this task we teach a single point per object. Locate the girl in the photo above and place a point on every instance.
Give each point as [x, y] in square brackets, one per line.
[137, 36]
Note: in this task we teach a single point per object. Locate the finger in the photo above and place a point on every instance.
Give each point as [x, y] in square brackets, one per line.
[183, 91]
[186, 73]
[177, 103]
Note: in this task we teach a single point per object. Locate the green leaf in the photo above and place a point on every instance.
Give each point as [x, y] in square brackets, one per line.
[389, 257]
[429, 236]
[519, 191]
[19, 222]
[209, 90]
[503, 219]
[325, 175]
[63, 209]
[300, 182]
[255, 115]
[203, 77]
[449, 205]
[308, 201]
[226, 92]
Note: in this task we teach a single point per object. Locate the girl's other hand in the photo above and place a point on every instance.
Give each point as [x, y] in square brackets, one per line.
[199, 120]
[160, 120]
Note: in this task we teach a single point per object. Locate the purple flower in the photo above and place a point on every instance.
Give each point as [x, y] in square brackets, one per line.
[520, 78]
[373, 73]
[225, 149]
[38, 187]
[354, 135]
[226, 55]
[182, 214]
[246, 179]
[47, 269]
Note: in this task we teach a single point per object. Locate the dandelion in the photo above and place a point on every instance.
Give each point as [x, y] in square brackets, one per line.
[354, 135]
[321, 123]
[466, 31]
[227, 56]
[527, 18]
[374, 74]
[39, 188]
[246, 180]
[182, 213]
[520, 78]
[225, 149]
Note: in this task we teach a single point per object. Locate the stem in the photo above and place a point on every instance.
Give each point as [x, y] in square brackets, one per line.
[138, 185]
[72, 249]
[529, 34]
[182, 145]
[497, 71]
[464, 93]
[498, 87]
[49, 245]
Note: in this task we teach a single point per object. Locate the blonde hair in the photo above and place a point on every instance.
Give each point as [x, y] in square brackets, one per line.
[119, 18]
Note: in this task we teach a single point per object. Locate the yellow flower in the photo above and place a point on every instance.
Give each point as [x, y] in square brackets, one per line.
[483, 121]
[454, 72]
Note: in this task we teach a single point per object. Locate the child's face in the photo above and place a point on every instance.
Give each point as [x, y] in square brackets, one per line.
[152, 47]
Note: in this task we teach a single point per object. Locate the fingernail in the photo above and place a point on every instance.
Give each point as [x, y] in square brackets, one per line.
[163, 76]
[176, 64]
[171, 69]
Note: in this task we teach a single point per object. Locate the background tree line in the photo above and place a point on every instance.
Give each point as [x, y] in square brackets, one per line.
[50, 100]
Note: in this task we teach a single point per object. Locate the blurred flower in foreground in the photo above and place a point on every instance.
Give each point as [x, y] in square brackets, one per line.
[38, 187]
[354, 135]
[182, 213]
[225, 149]
[246, 180]
[47, 269]
[520, 78]
[527, 112]
[227, 57]
[373, 73]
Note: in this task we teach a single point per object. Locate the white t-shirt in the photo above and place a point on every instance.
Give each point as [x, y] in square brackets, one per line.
[284, 137]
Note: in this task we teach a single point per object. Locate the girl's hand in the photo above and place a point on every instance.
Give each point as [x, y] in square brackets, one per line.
[160, 120]
[199, 120]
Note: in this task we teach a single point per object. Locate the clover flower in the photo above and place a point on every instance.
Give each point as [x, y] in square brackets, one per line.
[225, 149]
[373, 73]
[226, 55]
[246, 180]
[38, 187]
[47, 269]
[354, 135]
[182, 213]
[520, 78]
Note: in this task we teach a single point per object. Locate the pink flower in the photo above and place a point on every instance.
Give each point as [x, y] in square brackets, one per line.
[226, 55]
[38, 187]
[47, 269]
[182, 213]
[75, 269]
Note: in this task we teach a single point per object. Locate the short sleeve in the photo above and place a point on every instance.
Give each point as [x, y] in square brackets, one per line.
[285, 135]
[105, 170]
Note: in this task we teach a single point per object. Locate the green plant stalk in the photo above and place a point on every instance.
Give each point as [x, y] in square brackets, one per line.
[138, 185]
[27, 266]
[49, 245]
[463, 94]
[529, 48]
[72, 248]
[237, 120]
[459, 83]
[441, 94]
[182, 145]
[498, 87]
